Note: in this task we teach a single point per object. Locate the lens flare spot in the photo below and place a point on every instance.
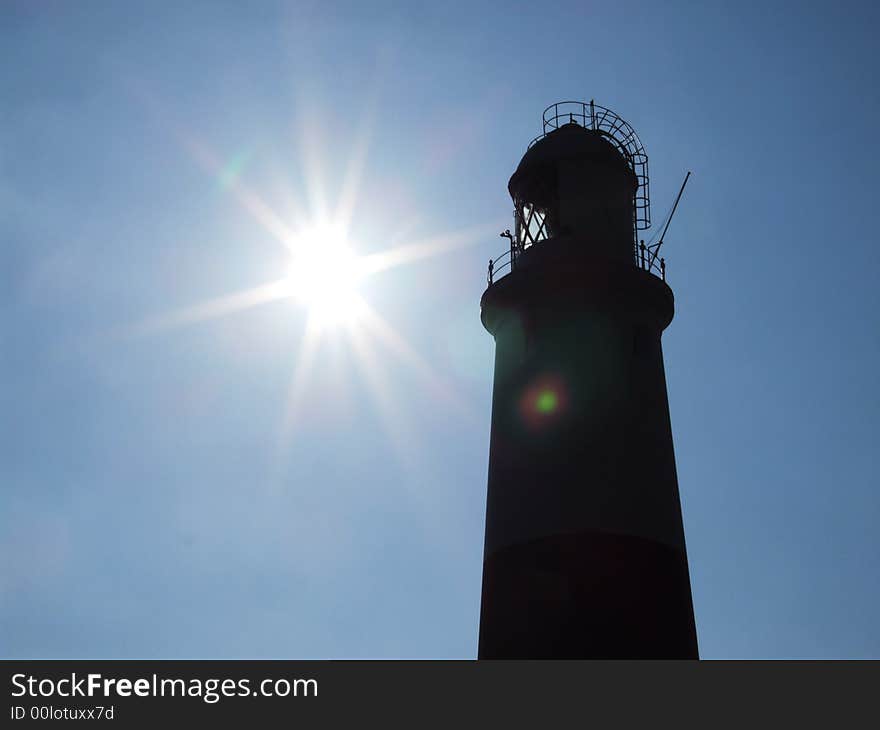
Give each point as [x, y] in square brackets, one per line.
[543, 401]
[233, 168]
[546, 401]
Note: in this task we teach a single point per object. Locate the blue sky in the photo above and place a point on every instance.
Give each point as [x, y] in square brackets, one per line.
[157, 501]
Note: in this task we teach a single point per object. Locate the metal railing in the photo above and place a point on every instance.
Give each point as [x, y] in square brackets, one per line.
[601, 119]
[506, 262]
[604, 121]
[646, 258]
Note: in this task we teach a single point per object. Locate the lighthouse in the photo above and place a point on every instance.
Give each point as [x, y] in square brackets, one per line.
[584, 553]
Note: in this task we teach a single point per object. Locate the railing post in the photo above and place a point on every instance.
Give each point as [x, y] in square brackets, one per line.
[515, 237]
[663, 269]
[642, 252]
[489, 275]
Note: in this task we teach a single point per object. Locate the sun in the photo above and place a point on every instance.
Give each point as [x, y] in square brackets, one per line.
[324, 274]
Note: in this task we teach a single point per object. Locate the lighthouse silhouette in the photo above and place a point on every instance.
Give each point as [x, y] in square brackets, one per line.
[584, 551]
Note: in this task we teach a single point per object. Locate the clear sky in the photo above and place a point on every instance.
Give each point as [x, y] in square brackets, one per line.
[187, 476]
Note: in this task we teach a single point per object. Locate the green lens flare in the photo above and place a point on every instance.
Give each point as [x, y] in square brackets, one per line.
[233, 168]
[546, 401]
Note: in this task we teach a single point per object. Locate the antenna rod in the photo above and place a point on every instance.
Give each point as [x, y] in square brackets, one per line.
[668, 221]
[675, 205]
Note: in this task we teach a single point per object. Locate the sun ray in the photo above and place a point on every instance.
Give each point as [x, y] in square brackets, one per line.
[250, 201]
[351, 182]
[291, 208]
[227, 174]
[385, 333]
[262, 213]
[404, 229]
[393, 419]
[400, 433]
[428, 247]
[293, 402]
[211, 309]
[310, 146]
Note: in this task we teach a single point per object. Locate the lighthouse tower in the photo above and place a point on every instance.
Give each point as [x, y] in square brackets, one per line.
[584, 551]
